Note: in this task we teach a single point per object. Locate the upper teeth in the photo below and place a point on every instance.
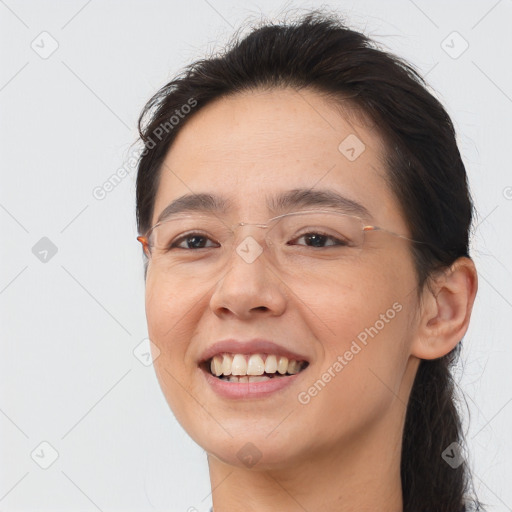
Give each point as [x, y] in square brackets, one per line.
[256, 364]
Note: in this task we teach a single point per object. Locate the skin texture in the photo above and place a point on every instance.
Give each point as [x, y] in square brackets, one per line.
[341, 451]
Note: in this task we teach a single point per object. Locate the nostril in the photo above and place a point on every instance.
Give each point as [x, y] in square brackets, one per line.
[263, 308]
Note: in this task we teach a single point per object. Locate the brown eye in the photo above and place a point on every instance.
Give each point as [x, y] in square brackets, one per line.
[192, 241]
[320, 240]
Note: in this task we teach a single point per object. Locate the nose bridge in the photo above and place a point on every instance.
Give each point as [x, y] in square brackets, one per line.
[248, 240]
[256, 227]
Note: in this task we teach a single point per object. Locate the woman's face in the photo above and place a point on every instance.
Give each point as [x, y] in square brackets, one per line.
[352, 319]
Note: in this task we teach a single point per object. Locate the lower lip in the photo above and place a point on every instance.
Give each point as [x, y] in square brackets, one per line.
[244, 390]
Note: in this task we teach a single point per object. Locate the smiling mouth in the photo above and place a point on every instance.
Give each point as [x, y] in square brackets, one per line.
[251, 368]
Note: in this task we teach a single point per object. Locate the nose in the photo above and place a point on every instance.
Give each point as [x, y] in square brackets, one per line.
[250, 285]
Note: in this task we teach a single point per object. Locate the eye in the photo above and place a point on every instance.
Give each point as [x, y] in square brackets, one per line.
[316, 239]
[192, 241]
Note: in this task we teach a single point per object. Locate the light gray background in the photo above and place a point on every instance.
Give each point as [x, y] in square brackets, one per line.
[70, 323]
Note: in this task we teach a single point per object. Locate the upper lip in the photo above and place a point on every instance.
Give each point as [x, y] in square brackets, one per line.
[254, 346]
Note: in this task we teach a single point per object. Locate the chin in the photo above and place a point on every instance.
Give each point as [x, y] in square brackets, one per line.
[249, 452]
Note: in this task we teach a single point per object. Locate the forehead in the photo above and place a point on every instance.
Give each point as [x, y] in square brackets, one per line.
[249, 146]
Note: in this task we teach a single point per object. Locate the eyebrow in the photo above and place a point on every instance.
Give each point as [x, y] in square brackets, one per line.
[303, 198]
[289, 201]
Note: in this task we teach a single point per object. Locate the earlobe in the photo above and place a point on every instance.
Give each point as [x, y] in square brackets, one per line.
[446, 310]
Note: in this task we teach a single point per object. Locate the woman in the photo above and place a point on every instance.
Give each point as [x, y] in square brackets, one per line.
[305, 213]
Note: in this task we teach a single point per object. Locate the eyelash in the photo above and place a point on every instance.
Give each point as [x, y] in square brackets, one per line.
[178, 241]
[184, 238]
[328, 237]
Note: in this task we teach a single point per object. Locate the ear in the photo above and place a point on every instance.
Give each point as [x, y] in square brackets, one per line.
[445, 310]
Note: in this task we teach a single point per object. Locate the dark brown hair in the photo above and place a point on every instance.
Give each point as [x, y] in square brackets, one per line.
[424, 170]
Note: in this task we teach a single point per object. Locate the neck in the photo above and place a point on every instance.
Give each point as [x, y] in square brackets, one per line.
[361, 476]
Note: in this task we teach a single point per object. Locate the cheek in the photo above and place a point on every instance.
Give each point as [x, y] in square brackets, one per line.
[169, 305]
[347, 300]
[359, 375]
[361, 322]
[172, 318]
